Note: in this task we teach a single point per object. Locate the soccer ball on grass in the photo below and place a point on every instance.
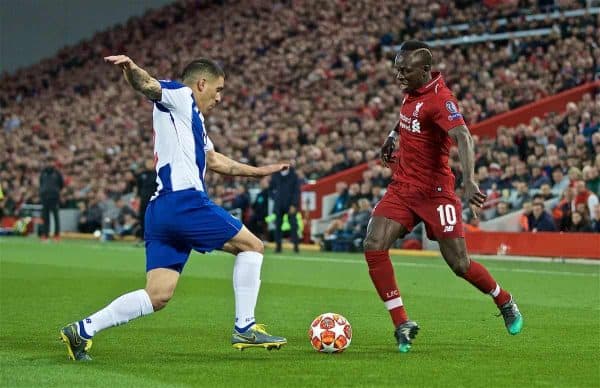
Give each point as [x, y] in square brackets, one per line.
[330, 333]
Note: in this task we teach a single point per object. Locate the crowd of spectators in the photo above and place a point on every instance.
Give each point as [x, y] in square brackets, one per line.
[547, 169]
[317, 90]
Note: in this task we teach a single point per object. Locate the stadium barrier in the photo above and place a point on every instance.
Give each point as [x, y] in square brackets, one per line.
[546, 244]
[555, 103]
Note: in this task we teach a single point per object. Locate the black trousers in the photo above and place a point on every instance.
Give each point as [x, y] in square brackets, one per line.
[142, 215]
[293, 228]
[50, 206]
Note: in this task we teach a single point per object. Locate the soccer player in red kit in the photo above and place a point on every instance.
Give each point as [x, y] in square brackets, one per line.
[422, 189]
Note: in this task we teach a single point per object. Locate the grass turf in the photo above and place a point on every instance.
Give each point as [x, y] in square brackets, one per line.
[461, 343]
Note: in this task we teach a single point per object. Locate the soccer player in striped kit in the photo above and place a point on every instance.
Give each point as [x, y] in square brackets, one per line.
[180, 216]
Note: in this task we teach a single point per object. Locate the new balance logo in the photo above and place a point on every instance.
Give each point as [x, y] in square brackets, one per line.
[448, 228]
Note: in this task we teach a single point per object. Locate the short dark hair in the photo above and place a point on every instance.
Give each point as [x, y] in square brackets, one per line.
[412, 45]
[424, 53]
[538, 196]
[202, 65]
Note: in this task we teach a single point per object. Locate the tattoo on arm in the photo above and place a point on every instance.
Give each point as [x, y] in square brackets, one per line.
[141, 81]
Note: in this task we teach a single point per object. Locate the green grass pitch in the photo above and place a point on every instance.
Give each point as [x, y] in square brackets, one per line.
[461, 343]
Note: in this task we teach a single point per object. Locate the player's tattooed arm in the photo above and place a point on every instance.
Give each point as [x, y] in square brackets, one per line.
[137, 77]
[466, 153]
[223, 165]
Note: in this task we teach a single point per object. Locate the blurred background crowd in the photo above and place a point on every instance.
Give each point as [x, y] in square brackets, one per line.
[317, 90]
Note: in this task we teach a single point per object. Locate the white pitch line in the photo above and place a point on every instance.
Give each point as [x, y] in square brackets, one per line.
[395, 264]
[437, 266]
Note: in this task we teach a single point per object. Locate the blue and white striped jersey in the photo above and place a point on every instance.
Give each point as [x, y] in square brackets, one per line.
[180, 140]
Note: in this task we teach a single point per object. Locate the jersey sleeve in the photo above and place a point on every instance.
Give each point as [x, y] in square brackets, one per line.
[174, 94]
[209, 146]
[446, 114]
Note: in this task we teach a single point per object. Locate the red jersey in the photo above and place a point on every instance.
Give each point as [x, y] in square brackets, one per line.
[426, 116]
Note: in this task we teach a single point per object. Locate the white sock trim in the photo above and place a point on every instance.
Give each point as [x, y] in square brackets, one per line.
[394, 303]
[496, 291]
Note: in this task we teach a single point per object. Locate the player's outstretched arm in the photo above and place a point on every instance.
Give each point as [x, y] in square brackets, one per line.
[466, 153]
[223, 165]
[137, 77]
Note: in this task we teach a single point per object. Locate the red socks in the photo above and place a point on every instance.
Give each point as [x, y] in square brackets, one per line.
[479, 276]
[382, 275]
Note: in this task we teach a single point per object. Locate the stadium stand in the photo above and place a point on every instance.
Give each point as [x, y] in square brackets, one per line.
[317, 90]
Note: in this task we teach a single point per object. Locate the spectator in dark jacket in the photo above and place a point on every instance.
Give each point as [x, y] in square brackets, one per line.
[146, 187]
[260, 210]
[285, 191]
[540, 220]
[579, 224]
[538, 178]
[341, 202]
[51, 183]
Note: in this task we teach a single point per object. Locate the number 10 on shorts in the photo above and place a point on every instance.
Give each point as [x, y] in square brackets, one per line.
[447, 215]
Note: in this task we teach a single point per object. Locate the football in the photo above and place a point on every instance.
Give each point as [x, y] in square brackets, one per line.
[330, 333]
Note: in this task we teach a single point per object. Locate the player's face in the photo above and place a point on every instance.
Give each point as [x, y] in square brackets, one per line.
[209, 93]
[215, 87]
[409, 72]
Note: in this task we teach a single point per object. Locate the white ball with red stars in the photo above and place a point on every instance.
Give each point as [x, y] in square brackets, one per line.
[330, 333]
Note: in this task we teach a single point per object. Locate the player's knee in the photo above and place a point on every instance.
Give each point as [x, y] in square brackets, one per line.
[159, 298]
[372, 244]
[460, 267]
[259, 247]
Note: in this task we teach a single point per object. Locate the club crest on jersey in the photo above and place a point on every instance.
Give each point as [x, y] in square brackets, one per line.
[417, 109]
[454, 113]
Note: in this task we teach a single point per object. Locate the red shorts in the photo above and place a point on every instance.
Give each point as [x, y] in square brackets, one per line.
[440, 211]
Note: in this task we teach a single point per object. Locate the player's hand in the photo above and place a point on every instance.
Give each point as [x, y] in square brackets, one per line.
[387, 151]
[476, 198]
[122, 61]
[273, 168]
